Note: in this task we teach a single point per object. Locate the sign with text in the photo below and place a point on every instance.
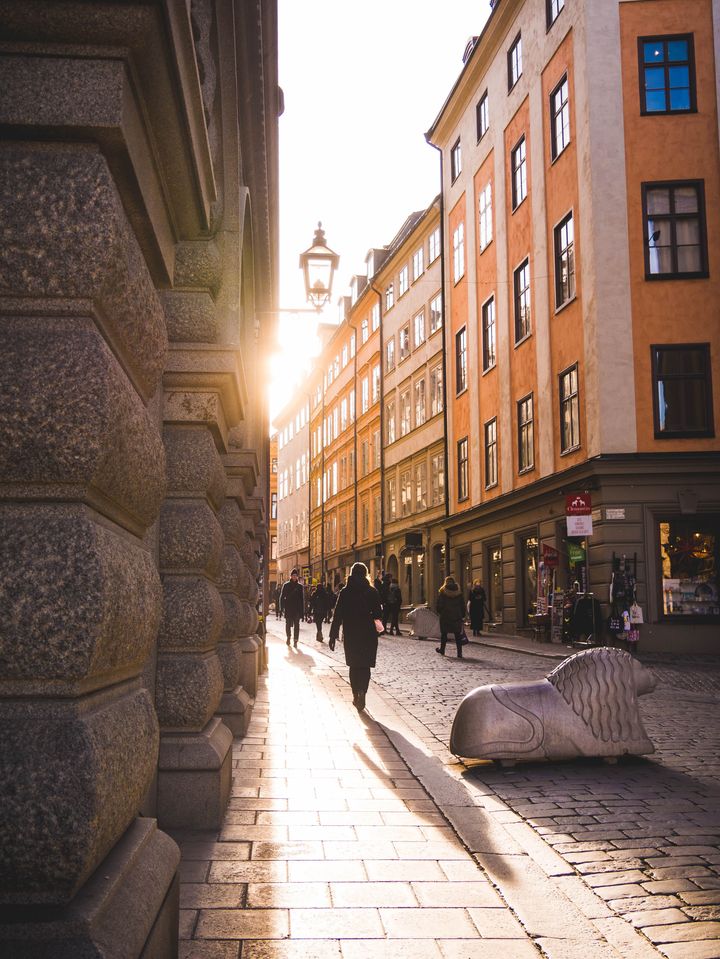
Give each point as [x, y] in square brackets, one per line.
[579, 525]
[578, 504]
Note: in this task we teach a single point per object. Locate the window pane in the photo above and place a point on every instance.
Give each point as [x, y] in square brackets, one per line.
[681, 362]
[682, 405]
[654, 78]
[680, 99]
[658, 201]
[656, 101]
[677, 50]
[686, 199]
[653, 52]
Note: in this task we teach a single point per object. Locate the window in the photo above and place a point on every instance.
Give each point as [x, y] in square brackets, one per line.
[273, 505]
[569, 410]
[489, 344]
[553, 8]
[521, 285]
[689, 555]
[420, 486]
[419, 402]
[352, 345]
[435, 313]
[365, 521]
[418, 264]
[682, 390]
[434, 245]
[482, 116]
[375, 317]
[343, 529]
[564, 261]
[458, 252]
[437, 478]
[419, 328]
[376, 449]
[405, 412]
[519, 174]
[667, 74]
[404, 342]
[376, 383]
[461, 360]
[365, 402]
[352, 407]
[344, 356]
[377, 515]
[389, 297]
[390, 354]
[455, 161]
[364, 331]
[403, 281]
[462, 469]
[343, 414]
[675, 241]
[436, 390]
[364, 458]
[485, 216]
[559, 118]
[514, 62]
[491, 453]
[390, 422]
[273, 466]
[405, 493]
[390, 494]
[526, 441]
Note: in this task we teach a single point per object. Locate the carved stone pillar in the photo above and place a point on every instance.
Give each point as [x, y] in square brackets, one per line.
[82, 346]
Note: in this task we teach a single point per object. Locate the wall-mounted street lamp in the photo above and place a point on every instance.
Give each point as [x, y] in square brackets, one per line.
[318, 264]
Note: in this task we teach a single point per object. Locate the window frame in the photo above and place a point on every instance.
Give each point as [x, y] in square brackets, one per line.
[490, 453]
[556, 153]
[573, 400]
[522, 332]
[514, 61]
[436, 389]
[419, 326]
[434, 244]
[709, 430]
[482, 111]
[418, 264]
[524, 428]
[549, 18]
[458, 239]
[455, 160]
[461, 383]
[561, 304]
[485, 217]
[487, 365]
[403, 281]
[404, 334]
[665, 38]
[514, 170]
[390, 354]
[438, 326]
[671, 185]
[463, 476]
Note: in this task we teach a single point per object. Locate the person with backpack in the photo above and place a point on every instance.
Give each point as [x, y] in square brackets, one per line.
[451, 610]
[358, 611]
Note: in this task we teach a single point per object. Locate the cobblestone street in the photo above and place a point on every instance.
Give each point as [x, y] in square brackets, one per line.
[644, 835]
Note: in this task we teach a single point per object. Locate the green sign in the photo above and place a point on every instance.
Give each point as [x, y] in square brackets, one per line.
[576, 554]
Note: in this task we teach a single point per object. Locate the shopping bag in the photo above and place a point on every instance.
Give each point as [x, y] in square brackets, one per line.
[636, 615]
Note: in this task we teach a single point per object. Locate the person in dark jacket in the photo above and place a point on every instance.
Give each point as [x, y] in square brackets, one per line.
[451, 610]
[292, 605]
[392, 607]
[357, 607]
[320, 604]
[477, 604]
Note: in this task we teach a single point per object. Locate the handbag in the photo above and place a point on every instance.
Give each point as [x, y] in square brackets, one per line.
[636, 615]
[614, 624]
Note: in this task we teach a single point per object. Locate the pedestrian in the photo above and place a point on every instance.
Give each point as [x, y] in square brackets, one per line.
[292, 605]
[356, 610]
[451, 610]
[277, 602]
[393, 606]
[319, 605]
[477, 604]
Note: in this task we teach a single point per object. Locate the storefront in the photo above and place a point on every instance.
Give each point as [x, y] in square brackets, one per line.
[688, 562]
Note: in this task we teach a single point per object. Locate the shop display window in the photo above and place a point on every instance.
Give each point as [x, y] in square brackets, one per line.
[689, 553]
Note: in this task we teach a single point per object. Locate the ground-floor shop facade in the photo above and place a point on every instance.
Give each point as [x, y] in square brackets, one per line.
[654, 545]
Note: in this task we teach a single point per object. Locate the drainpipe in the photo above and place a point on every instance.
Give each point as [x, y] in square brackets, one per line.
[382, 429]
[444, 353]
[309, 479]
[355, 442]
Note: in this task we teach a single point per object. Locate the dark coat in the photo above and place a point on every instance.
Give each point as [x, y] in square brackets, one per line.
[320, 602]
[394, 598]
[292, 600]
[451, 610]
[477, 602]
[357, 606]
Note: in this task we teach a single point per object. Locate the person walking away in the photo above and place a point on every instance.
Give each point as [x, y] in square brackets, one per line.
[320, 604]
[357, 608]
[292, 604]
[393, 607]
[384, 597]
[477, 604]
[451, 610]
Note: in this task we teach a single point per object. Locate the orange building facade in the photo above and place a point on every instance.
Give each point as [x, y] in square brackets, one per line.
[581, 180]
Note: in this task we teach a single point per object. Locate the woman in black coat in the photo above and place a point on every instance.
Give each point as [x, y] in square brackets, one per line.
[357, 608]
[477, 604]
[451, 611]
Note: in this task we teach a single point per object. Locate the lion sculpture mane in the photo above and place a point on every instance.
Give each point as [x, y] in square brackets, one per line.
[587, 706]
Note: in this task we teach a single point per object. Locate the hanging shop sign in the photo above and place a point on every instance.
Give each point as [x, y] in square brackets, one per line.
[550, 556]
[578, 513]
[576, 554]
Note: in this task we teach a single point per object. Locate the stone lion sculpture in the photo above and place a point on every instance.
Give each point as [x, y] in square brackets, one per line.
[587, 706]
[425, 623]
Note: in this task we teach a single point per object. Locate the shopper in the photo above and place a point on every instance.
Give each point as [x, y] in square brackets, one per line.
[357, 608]
[393, 607]
[320, 603]
[292, 605]
[477, 604]
[451, 610]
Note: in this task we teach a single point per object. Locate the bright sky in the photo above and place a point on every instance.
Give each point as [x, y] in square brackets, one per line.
[355, 156]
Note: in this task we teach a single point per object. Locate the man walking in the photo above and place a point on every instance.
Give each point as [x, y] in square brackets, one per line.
[292, 605]
[320, 605]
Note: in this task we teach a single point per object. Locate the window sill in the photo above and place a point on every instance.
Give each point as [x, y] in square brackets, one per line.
[514, 84]
[491, 486]
[554, 159]
[516, 208]
[482, 249]
[565, 305]
[482, 136]
[528, 469]
[456, 281]
[460, 392]
[667, 113]
[489, 369]
[463, 499]
[686, 435]
[552, 23]
[571, 449]
[522, 340]
[653, 277]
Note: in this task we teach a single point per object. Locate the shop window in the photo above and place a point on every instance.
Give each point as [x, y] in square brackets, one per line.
[689, 556]
[682, 391]
[495, 582]
[528, 577]
[667, 74]
[675, 240]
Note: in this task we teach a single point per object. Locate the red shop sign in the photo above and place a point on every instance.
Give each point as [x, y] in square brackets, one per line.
[578, 504]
